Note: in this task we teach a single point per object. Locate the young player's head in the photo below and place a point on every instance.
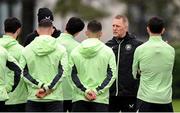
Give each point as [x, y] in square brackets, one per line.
[12, 25]
[94, 29]
[74, 25]
[155, 26]
[45, 27]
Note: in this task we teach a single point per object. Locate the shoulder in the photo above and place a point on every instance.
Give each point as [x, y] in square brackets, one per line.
[134, 39]
[56, 33]
[140, 47]
[75, 51]
[19, 47]
[3, 49]
[111, 42]
[61, 48]
[32, 34]
[2, 41]
[170, 47]
[107, 48]
[30, 37]
[27, 49]
[3, 52]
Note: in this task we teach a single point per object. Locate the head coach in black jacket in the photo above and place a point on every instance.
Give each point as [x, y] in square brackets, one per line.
[125, 88]
[43, 13]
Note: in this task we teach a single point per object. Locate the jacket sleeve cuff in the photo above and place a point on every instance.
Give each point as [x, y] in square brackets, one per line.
[40, 85]
[46, 87]
[99, 92]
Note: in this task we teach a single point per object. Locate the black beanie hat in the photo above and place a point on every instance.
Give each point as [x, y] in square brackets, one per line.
[44, 13]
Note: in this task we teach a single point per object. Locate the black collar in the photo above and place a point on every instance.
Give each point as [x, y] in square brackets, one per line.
[118, 40]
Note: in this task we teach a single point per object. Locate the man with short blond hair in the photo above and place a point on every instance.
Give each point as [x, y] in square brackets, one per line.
[125, 87]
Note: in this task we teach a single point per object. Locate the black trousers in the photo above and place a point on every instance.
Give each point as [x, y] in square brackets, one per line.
[67, 105]
[122, 103]
[143, 106]
[2, 106]
[83, 106]
[55, 106]
[16, 108]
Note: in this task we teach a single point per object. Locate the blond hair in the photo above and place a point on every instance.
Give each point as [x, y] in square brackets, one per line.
[124, 19]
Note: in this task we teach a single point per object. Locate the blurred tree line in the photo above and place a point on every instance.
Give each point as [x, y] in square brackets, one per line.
[80, 9]
[138, 12]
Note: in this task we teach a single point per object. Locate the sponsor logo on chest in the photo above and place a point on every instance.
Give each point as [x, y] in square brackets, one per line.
[128, 47]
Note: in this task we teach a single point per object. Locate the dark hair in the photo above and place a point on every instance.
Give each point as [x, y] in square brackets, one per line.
[12, 24]
[74, 25]
[156, 25]
[44, 13]
[94, 26]
[45, 23]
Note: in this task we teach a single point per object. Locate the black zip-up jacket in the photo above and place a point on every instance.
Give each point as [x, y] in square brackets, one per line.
[125, 84]
[30, 37]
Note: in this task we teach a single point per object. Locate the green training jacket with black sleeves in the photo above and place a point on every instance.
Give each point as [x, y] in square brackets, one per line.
[68, 41]
[7, 61]
[94, 68]
[45, 64]
[15, 50]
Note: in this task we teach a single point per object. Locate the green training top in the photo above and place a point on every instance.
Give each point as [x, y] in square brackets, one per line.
[155, 60]
[19, 95]
[44, 62]
[67, 40]
[94, 67]
[7, 61]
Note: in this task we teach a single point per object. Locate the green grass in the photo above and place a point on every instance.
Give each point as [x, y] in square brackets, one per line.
[176, 105]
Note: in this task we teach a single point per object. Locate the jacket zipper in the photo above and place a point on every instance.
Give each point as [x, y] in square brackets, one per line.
[117, 69]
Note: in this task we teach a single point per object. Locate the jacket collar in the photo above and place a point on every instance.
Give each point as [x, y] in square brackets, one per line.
[155, 38]
[125, 38]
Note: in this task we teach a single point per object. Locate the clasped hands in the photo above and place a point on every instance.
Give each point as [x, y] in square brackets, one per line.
[42, 92]
[90, 95]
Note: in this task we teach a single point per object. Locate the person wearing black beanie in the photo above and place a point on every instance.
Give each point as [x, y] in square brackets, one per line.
[43, 13]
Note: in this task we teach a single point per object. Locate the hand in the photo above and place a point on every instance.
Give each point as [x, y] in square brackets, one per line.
[90, 95]
[41, 93]
[93, 95]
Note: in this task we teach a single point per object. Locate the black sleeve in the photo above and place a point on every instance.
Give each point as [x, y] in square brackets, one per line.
[57, 77]
[17, 73]
[29, 77]
[76, 80]
[109, 43]
[29, 38]
[27, 41]
[106, 80]
[56, 33]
